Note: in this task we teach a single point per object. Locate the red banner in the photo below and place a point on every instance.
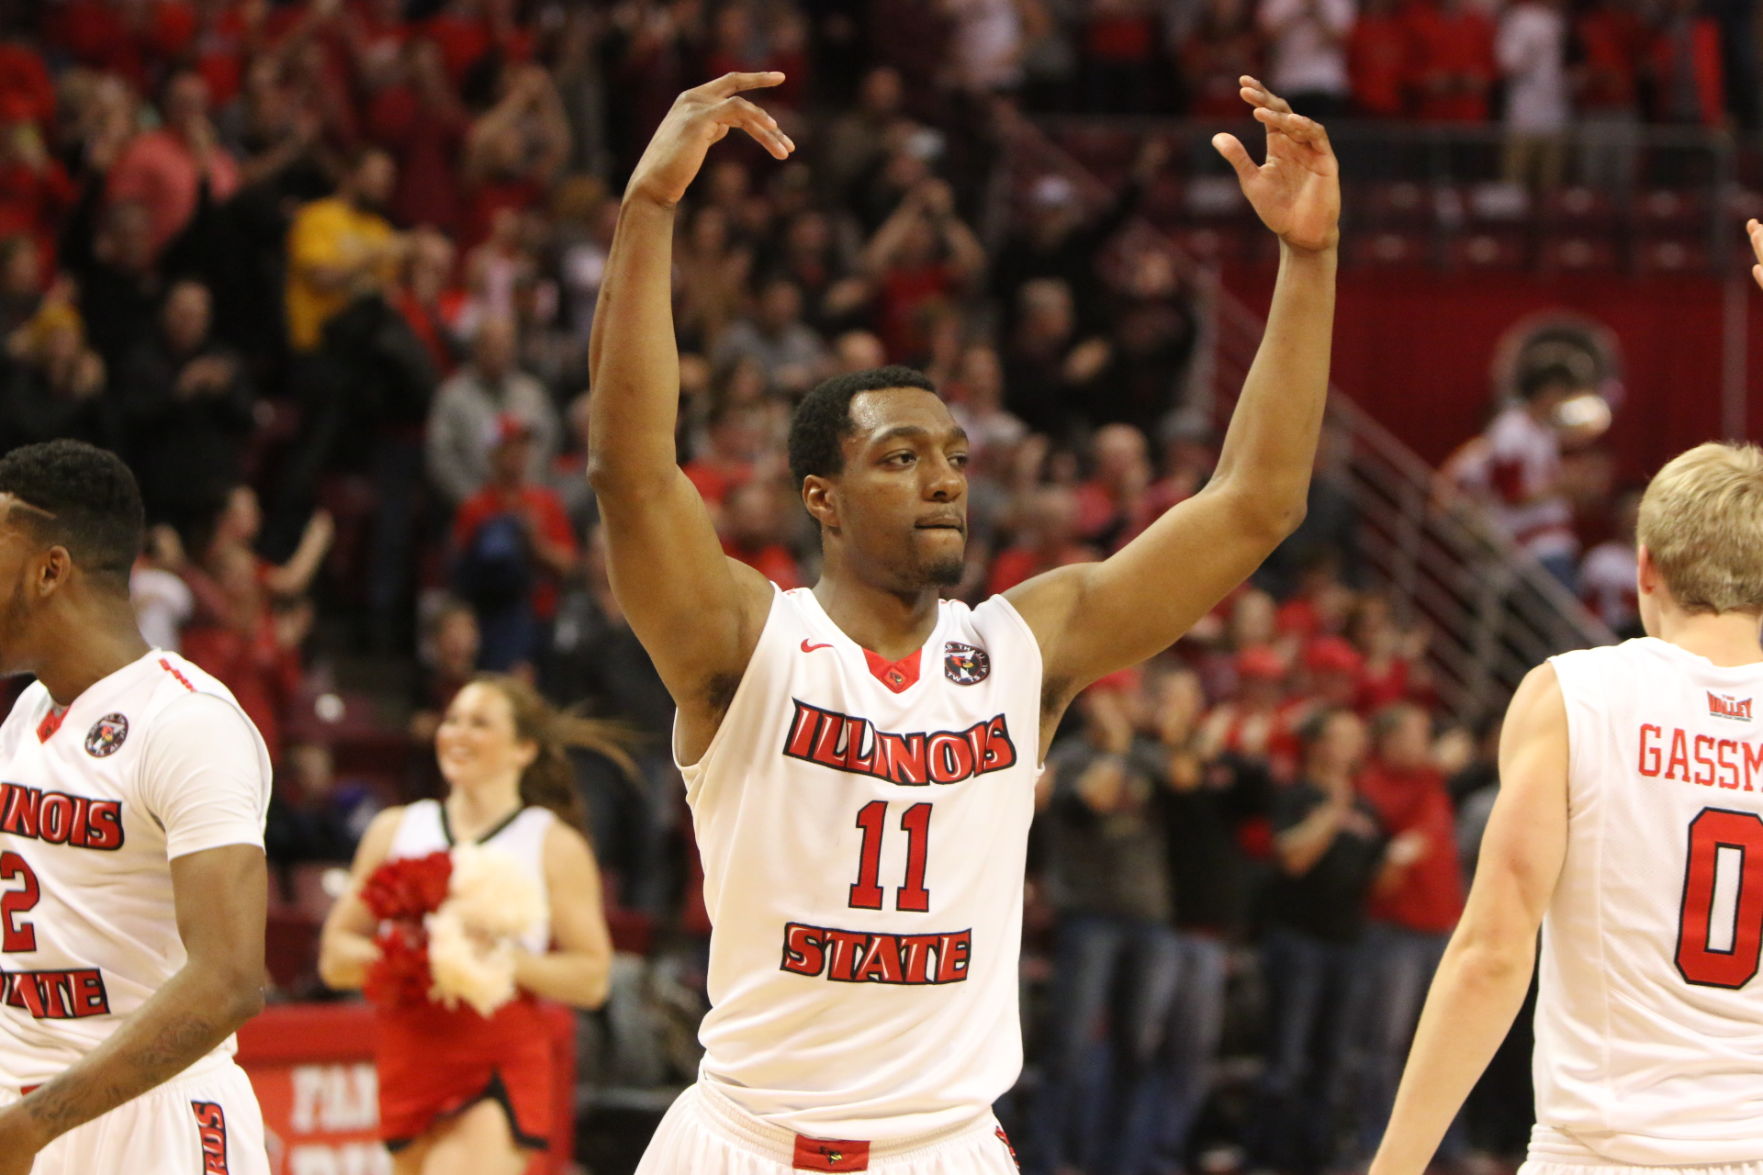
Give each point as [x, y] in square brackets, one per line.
[312, 1066]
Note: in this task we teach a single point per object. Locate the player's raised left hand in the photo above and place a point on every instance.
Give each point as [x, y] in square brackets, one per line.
[1297, 191]
[1754, 230]
[698, 119]
[20, 1140]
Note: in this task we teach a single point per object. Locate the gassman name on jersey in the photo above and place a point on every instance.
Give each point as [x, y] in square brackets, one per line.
[1684, 757]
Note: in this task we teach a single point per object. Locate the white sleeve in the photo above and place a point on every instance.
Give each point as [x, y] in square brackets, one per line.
[204, 776]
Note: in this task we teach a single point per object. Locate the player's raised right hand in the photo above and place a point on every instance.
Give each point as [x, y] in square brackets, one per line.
[1754, 230]
[700, 117]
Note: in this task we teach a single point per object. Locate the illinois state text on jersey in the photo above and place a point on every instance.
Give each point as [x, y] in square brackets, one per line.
[863, 827]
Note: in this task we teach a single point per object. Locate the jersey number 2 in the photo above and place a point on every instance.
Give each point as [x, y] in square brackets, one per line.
[1733, 963]
[915, 822]
[17, 937]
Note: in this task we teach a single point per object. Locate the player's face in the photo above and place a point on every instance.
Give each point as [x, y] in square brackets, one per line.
[18, 552]
[477, 742]
[899, 509]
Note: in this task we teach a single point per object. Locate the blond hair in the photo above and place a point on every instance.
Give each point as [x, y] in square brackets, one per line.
[1701, 520]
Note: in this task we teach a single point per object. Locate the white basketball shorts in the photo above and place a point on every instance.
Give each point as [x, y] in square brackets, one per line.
[203, 1122]
[1553, 1152]
[703, 1134]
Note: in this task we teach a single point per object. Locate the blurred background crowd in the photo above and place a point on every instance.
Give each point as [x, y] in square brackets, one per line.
[324, 273]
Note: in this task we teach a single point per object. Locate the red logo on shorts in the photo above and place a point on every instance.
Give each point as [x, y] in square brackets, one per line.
[830, 1154]
[211, 1120]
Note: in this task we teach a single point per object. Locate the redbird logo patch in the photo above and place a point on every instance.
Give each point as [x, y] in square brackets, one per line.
[1726, 706]
[964, 664]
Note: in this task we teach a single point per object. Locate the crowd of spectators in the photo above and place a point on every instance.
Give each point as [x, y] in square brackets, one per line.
[324, 273]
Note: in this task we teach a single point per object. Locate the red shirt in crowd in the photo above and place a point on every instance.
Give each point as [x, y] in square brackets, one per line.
[1017, 564]
[773, 561]
[1429, 896]
[1611, 43]
[540, 504]
[464, 40]
[1377, 62]
[95, 34]
[26, 93]
[1453, 62]
[715, 480]
[1693, 49]
[426, 143]
[31, 199]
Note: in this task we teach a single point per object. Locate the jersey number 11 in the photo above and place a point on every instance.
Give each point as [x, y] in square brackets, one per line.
[915, 822]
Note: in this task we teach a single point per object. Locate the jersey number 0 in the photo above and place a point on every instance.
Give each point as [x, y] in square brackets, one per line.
[1726, 855]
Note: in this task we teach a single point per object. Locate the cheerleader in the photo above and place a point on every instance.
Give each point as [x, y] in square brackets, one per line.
[460, 1090]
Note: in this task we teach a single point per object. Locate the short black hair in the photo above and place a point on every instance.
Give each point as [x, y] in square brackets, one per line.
[823, 418]
[90, 503]
[1541, 378]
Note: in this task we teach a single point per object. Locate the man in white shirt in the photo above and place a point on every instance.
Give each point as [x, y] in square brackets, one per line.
[1532, 51]
[1307, 54]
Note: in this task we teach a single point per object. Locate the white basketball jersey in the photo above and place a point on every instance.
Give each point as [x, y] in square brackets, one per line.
[150, 763]
[423, 829]
[863, 828]
[1649, 1023]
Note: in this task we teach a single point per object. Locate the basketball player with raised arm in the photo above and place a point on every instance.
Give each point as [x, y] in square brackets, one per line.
[860, 757]
[1629, 828]
[132, 884]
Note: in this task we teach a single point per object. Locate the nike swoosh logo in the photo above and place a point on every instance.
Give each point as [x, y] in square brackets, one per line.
[809, 648]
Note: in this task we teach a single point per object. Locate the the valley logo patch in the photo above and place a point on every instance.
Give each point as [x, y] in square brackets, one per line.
[964, 664]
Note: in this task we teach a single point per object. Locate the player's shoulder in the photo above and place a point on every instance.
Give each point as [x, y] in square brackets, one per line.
[179, 680]
[995, 616]
[1585, 665]
[184, 697]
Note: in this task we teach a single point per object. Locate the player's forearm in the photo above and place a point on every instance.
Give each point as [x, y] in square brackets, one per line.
[633, 403]
[579, 978]
[1271, 443]
[186, 1019]
[1477, 992]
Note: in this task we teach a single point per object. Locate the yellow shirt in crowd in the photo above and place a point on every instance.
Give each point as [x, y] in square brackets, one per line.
[329, 232]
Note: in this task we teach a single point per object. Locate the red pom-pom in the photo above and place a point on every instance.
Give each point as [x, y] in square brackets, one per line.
[408, 887]
[400, 976]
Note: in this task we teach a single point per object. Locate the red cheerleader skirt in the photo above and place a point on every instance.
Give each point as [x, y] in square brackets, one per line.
[436, 1062]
